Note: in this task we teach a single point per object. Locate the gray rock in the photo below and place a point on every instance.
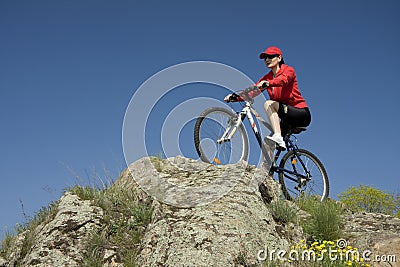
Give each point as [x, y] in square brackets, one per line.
[364, 230]
[388, 251]
[3, 262]
[15, 251]
[225, 232]
[204, 215]
[61, 241]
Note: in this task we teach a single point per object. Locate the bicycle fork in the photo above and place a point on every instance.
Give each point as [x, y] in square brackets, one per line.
[234, 123]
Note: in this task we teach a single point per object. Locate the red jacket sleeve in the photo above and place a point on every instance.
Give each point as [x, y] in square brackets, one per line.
[286, 76]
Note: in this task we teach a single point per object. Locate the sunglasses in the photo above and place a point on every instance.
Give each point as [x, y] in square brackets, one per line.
[270, 56]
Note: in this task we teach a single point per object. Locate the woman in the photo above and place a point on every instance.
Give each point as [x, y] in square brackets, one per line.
[286, 102]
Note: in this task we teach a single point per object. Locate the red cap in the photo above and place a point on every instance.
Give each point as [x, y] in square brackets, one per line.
[272, 50]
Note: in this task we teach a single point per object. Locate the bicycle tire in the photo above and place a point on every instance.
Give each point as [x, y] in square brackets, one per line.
[319, 183]
[209, 127]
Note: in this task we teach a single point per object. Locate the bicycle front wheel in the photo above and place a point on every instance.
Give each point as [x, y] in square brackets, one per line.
[210, 127]
[303, 173]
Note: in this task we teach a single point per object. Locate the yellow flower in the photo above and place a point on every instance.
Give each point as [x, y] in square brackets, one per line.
[315, 243]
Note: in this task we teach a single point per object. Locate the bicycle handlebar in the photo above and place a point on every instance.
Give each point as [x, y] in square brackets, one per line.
[245, 94]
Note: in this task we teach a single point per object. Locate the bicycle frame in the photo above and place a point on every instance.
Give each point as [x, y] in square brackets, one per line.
[248, 111]
[277, 169]
[299, 170]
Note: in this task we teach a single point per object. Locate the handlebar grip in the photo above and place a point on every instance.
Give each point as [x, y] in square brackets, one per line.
[233, 97]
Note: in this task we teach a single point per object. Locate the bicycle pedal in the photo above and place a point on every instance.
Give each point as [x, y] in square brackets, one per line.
[280, 148]
[298, 188]
[302, 182]
[272, 170]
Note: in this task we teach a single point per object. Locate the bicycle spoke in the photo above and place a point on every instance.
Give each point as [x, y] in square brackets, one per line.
[304, 174]
[211, 128]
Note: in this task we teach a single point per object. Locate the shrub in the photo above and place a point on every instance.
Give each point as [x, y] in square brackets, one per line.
[5, 245]
[125, 220]
[370, 199]
[325, 221]
[283, 211]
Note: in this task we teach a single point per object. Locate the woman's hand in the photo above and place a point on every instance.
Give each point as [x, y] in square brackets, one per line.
[227, 98]
[262, 84]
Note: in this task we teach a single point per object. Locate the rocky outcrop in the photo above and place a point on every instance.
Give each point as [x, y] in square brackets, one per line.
[231, 229]
[364, 229]
[378, 233]
[61, 241]
[387, 252]
[203, 215]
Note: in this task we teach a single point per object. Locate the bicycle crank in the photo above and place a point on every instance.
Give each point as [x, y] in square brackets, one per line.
[302, 183]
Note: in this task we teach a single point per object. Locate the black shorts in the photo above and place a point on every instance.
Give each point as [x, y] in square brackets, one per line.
[294, 117]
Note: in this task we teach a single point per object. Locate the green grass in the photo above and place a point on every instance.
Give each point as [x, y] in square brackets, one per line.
[94, 250]
[28, 229]
[5, 245]
[283, 211]
[157, 162]
[43, 216]
[326, 218]
[125, 220]
[126, 217]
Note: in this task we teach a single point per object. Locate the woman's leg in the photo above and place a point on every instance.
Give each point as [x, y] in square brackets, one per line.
[271, 108]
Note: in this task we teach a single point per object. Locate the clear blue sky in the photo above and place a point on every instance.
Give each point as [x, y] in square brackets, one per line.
[68, 70]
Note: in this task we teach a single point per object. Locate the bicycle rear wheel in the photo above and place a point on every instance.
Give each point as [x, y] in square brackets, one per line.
[210, 126]
[317, 182]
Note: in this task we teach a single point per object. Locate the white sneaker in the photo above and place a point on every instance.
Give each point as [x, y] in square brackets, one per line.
[278, 139]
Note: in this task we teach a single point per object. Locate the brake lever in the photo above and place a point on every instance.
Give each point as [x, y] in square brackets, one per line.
[233, 97]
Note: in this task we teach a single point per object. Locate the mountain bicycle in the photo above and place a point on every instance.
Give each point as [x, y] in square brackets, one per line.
[220, 138]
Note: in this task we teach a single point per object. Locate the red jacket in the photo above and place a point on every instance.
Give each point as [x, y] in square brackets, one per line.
[283, 88]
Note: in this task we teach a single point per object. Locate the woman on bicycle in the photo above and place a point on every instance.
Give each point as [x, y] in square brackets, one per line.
[286, 102]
